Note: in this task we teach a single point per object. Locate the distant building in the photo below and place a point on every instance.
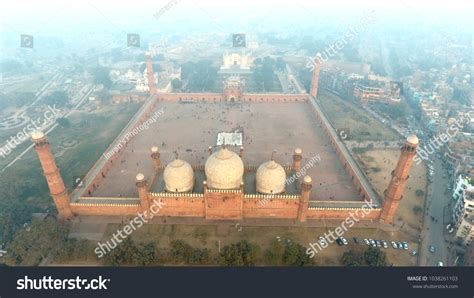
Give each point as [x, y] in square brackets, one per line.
[236, 64]
[366, 93]
[463, 212]
[378, 88]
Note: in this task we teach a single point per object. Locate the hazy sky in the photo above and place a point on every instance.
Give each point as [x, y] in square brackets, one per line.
[50, 16]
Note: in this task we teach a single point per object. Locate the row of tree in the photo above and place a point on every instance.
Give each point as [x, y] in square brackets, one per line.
[372, 257]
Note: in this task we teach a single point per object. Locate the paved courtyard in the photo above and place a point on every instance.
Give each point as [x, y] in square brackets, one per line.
[190, 128]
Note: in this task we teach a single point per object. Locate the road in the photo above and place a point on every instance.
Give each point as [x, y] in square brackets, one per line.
[438, 198]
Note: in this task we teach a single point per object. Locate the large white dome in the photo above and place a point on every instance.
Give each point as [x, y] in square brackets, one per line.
[224, 170]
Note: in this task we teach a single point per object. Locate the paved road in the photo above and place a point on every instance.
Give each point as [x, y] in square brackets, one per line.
[433, 234]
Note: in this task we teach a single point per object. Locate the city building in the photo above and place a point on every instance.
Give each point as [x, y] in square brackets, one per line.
[463, 211]
[236, 63]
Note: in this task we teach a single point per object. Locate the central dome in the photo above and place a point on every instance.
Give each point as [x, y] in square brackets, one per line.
[178, 176]
[224, 170]
[270, 178]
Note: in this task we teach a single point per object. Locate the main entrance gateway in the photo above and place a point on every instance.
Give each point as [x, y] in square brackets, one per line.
[233, 88]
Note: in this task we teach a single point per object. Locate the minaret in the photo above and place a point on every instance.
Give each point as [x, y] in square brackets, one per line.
[53, 176]
[304, 198]
[150, 74]
[297, 157]
[394, 192]
[315, 77]
[155, 157]
[142, 193]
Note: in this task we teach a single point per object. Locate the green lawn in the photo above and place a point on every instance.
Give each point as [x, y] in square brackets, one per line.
[344, 114]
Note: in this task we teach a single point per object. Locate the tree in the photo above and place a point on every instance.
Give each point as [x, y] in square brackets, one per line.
[30, 245]
[419, 193]
[58, 98]
[180, 251]
[122, 254]
[295, 255]
[102, 76]
[374, 257]
[183, 252]
[351, 258]
[144, 255]
[64, 122]
[280, 63]
[201, 76]
[273, 256]
[239, 254]
[417, 209]
[177, 84]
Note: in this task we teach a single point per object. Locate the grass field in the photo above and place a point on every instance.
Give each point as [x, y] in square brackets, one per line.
[76, 149]
[344, 114]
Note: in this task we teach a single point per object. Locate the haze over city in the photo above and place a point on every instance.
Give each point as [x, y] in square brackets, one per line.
[236, 133]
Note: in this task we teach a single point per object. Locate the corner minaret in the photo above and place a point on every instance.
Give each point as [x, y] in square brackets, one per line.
[304, 198]
[53, 176]
[394, 192]
[143, 193]
[155, 158]
[297, 157]
[150, 74]
[315, 78]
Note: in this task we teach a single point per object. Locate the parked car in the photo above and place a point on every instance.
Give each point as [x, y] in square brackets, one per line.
[344, 241]
[372, 242]
[356, 241]
[432, 249]
[384, 243]
[394, 244]
[405, 245]
[366, 241]
[378, 243]
[400, 245]
[339, 241]
[440, 264]
[322, 241]
[413, 253]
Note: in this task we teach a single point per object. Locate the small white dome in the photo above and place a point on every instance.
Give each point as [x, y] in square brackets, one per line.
[178, 176]
[140, 177]
[37, 134]
[413, 139]
[271, 178]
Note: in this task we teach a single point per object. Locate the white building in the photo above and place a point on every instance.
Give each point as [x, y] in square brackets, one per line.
[236, 63]
[463, 212]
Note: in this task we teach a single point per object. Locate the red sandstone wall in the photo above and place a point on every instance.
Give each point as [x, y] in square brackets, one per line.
[104, 209]
[342, 214]
[191, 96]
[275, 208]
[267, 97]
[227, 205]
[181, 206]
